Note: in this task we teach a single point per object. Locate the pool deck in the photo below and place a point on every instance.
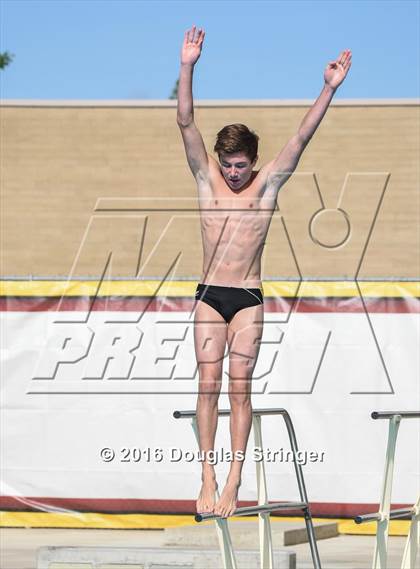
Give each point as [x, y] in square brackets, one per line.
[19, 546]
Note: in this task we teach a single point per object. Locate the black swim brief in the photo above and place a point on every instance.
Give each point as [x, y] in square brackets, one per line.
[228, 300]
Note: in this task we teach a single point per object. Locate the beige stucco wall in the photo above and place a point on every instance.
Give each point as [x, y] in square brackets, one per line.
[59, 160]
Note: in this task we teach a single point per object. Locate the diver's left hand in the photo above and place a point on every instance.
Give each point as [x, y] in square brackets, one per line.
[336, 71]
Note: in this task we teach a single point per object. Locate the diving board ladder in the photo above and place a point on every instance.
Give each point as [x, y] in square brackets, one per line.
[385, 514]
[263, 509]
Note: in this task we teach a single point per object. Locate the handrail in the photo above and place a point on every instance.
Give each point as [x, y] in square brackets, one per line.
[252, 510]
[389, 414]
[376, 516]
[225, 412]
[385, 514]
[263, 508]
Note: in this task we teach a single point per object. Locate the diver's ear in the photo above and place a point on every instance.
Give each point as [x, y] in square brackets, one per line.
[255, 160]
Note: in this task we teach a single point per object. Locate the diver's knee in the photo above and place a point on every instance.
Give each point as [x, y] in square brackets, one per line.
[239, 397]
[209, 389]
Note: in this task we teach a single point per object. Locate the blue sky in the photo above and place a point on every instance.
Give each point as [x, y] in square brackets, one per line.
[106, 49]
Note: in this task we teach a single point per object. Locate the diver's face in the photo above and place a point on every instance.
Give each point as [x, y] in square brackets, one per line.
[236, 169]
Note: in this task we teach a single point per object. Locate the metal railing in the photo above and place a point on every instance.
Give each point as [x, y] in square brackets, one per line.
[264, 508]
[385, 514]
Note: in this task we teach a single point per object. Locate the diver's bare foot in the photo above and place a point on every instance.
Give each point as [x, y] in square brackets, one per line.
[206, 499]
[227, 502]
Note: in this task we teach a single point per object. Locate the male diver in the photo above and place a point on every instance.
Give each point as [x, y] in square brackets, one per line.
[236, 206]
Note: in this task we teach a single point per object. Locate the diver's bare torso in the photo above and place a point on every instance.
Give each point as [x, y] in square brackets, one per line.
[234, 225]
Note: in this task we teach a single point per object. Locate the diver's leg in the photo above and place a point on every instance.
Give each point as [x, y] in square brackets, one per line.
[244, 336]
[210, 335]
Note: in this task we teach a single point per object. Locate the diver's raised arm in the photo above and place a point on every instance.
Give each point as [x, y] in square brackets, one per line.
[282, 167]
[190, 53]
[195, 150]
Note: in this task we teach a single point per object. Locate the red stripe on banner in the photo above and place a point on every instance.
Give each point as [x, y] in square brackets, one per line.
[385, 305]
[131, 506]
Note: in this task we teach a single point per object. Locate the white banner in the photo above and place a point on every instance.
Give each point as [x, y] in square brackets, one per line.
[72, 387]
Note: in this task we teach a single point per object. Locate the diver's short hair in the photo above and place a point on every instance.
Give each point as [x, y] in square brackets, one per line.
[237, 138]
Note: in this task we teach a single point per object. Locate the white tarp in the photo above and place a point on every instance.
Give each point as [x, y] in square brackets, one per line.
[330, 370]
